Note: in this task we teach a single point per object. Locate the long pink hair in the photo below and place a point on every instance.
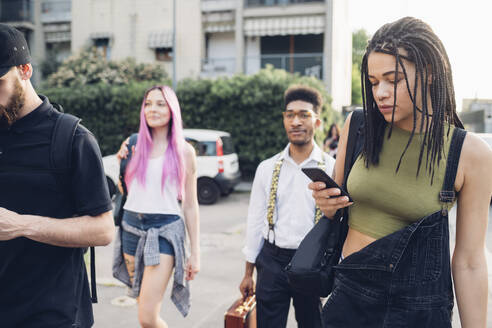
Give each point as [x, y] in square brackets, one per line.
[174, 162]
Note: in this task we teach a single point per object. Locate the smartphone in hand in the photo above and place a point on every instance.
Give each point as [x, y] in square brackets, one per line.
[316, 174]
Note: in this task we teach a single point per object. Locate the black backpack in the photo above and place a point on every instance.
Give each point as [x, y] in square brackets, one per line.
[60, 161]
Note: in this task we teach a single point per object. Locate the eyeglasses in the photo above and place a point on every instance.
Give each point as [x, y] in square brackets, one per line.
[303, 115]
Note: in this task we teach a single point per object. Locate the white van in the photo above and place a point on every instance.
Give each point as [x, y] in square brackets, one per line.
[217, 165]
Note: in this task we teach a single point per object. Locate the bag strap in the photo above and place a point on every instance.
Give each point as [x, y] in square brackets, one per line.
[124, 161]
[353, 140]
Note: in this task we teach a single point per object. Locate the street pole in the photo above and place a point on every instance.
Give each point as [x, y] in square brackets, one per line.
[174, 45]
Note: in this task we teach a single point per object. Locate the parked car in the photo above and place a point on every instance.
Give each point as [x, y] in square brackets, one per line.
[217, 165]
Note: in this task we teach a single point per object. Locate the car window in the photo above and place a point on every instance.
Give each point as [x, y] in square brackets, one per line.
[203, 148]
[209, 148]
[227, 145]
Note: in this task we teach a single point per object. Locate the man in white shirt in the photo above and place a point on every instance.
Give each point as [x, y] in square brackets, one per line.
[281, 214]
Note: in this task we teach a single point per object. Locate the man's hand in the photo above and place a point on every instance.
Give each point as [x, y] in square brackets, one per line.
[247, 286]
[9, 224]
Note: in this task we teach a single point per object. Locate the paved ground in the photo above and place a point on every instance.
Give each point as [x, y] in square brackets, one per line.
[216, 287]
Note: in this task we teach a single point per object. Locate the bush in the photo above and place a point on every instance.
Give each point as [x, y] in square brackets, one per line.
[249, 107]
[111, 113]
[90, 67]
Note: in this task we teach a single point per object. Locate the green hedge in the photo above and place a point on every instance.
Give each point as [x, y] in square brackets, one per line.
[249, 107]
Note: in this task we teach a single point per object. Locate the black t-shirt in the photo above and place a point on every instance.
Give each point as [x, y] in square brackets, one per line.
[43, 285]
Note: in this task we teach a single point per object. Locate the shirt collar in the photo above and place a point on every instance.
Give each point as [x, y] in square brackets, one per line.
[316, 155]
[33, 118]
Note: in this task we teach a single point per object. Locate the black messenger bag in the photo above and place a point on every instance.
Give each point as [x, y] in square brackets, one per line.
[311, 269]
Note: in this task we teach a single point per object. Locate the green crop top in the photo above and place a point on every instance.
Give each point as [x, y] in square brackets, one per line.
[386, 201]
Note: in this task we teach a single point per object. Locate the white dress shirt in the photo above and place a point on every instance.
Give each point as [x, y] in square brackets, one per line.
[295, 207]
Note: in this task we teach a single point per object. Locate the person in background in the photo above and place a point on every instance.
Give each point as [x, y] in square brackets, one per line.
[281, 212]
[330, 144]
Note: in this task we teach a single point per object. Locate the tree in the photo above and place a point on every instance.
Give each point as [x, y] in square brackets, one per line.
[90, 67]
[359, 44]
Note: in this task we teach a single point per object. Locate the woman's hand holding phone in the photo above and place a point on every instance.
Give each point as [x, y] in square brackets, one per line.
[329, 196]
[328, 199]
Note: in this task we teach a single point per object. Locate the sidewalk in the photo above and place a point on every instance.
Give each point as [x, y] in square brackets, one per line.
[216, 287]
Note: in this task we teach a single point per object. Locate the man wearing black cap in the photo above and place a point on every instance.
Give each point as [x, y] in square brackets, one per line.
[47, 214]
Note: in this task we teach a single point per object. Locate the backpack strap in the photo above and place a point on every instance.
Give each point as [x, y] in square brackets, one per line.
[62, 141]
[61, 160]
[124, 161]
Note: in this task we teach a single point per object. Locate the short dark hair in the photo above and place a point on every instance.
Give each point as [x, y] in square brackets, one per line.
[304, 93]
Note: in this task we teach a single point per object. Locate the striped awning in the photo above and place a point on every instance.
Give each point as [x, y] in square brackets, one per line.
[160, 39]
[270, 26]
[101, 35]
[52, 37]
[219, 27]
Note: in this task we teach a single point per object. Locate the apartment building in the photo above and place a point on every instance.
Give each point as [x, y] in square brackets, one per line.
[142, 29]
[310, 37]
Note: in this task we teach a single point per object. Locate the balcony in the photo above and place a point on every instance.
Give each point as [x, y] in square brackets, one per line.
[310, 64]
[17, 12]
[56, 11]
[212, 67]
[260, 3]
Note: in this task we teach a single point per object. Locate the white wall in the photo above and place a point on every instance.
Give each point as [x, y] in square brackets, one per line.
[131, 21]
[253, 53]
[221, 45]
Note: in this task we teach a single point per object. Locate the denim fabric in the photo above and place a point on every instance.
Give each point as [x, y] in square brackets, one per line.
[144, 222]
[402, 280]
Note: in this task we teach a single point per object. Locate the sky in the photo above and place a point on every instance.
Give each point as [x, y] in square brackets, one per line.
[464, 27]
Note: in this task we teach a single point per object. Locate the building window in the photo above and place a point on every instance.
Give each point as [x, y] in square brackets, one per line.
[102, 45]
[164, 54]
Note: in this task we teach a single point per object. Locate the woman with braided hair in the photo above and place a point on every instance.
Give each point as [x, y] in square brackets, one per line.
[412, 162]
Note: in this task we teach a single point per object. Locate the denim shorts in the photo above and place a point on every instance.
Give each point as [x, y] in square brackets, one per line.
[145, 221]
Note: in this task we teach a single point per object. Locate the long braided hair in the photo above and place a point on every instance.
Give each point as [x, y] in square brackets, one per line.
[423, 48]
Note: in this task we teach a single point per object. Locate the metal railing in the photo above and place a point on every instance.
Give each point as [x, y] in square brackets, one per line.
[16, 11]
[310, 64]
[259, 3]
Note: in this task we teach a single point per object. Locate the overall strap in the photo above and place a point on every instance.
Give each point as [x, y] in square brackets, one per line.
[447, 194]
[273, 198]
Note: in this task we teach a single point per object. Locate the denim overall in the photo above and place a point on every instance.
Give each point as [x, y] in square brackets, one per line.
[403, 279]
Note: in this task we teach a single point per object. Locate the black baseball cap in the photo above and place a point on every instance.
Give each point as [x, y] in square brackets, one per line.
[13, 49]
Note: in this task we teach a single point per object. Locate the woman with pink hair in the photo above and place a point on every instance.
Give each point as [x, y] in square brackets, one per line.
[160, 174]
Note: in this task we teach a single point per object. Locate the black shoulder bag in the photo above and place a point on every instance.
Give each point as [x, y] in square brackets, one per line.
[120, 199]
[311, 268]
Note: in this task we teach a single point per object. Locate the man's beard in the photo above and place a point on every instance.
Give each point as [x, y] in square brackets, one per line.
[9, 113]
